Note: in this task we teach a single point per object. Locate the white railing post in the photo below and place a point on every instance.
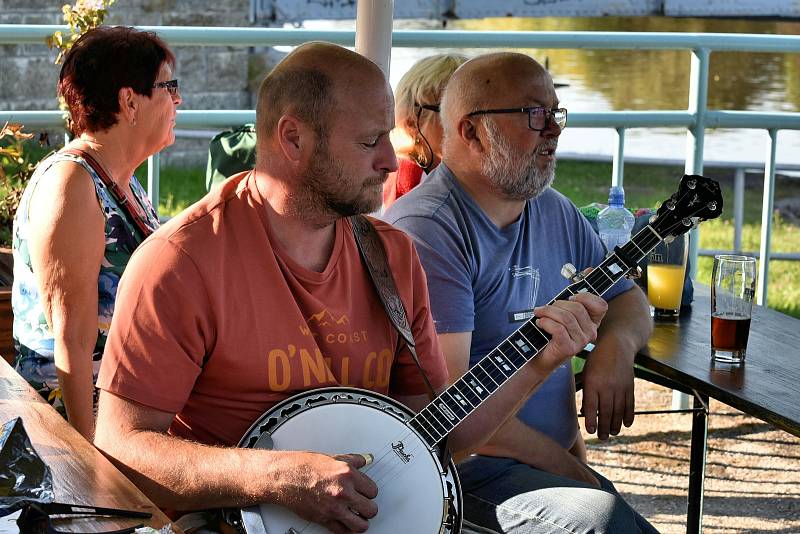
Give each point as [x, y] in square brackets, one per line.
[153, 178]
[695, 143]
[695, 136]
[618, 164]
[374, 31]
[738, 208]
[766, 219]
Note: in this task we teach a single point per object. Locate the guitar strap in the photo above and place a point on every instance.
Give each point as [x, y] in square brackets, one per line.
[374, 257]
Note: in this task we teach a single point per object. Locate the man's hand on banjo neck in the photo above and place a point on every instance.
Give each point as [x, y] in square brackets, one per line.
[571, 324]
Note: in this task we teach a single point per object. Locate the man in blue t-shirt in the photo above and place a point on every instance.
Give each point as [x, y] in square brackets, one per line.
[493, 237]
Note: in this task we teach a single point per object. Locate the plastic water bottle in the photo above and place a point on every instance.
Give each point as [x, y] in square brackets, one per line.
[615, 223]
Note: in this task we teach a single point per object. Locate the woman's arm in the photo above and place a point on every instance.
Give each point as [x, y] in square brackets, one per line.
[66, 244]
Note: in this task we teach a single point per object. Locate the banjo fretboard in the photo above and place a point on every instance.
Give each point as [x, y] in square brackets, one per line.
[463, 397]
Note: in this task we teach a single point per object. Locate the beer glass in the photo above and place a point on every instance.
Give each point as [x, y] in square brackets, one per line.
[733, 285]
[666, 269]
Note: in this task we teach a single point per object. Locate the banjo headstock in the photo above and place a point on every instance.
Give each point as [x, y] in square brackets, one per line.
[697, 199]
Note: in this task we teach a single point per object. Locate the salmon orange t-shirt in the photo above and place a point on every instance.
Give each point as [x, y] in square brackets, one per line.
[215, 323]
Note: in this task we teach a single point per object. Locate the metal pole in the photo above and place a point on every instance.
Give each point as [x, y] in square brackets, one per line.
[374, 31]
[738, 208]
[695, 136]
[618, 165]
[766, 219]
[695, 142]
[153, 178]
[697, 465]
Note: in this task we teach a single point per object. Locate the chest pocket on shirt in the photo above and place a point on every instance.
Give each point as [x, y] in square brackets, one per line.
[525, 288]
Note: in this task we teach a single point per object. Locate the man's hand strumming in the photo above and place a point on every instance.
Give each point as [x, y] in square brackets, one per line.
[330, 491]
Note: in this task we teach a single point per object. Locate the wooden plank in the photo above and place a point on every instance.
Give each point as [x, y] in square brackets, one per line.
[81, 474]
[6, 325]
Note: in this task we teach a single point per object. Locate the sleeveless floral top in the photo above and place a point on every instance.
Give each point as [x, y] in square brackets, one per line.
[33, 338]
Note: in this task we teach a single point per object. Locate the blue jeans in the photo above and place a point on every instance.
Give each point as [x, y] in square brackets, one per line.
[508, 497]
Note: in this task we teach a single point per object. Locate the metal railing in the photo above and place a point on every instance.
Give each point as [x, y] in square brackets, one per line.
[696, 118]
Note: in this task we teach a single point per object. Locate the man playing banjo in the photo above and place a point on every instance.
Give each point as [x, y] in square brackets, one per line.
[257, 293]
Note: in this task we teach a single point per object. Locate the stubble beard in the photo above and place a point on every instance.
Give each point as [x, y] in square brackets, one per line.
[325, 194]
[515, 175]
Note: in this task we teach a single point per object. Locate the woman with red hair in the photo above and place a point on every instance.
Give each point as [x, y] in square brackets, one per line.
[83, 212]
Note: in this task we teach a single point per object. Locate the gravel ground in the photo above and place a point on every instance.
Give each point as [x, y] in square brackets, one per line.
[752, 469]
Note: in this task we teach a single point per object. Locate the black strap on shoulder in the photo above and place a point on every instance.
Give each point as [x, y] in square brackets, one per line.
[374, 257]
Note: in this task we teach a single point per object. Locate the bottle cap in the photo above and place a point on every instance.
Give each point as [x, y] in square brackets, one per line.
[616, 196]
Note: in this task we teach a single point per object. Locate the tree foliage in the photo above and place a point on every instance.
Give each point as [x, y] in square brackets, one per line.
[80, 17]
[17, 163]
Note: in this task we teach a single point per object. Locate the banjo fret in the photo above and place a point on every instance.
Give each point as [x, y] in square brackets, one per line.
[439, 431]
[483, 376]
[423, 430]
[457, 403]
[463, 389]
[492, 370]
[439, 418]
[603, 270]
[512, 354]
[503, 364]
[474, 386]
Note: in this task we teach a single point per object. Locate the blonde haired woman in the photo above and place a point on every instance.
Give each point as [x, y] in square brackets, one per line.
[418, 135]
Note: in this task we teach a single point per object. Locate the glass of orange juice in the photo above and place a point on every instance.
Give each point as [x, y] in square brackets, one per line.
[666, 269]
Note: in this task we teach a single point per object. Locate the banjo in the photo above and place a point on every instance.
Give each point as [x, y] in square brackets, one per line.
[416, 492]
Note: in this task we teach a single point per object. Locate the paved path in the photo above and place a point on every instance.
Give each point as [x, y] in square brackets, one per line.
[752, 470]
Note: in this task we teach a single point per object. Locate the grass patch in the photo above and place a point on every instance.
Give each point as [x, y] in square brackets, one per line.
[178, 188]
[645, 186]
[783, 292]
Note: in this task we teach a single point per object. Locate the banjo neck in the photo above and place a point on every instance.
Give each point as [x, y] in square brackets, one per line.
[466, 394]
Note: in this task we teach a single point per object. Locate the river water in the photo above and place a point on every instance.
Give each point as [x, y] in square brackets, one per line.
[606, 80]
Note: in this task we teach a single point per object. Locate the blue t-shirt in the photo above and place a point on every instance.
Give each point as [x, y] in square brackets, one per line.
[486, 280]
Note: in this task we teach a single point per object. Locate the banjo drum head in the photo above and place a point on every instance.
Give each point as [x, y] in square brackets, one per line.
[411, 488]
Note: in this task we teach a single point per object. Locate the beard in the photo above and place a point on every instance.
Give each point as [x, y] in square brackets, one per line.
[514, 174]
[326, 191]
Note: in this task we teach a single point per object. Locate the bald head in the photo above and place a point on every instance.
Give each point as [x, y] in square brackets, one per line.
[502, 79]
[310, 84]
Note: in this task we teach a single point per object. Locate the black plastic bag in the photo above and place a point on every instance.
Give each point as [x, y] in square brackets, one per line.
[24, 477]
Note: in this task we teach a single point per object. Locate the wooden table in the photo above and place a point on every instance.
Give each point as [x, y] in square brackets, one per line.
[766, 387]
[81, 474]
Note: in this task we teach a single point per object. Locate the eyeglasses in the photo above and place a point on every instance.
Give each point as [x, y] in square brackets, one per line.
[169, 85]
[429, 107]
[538, 117]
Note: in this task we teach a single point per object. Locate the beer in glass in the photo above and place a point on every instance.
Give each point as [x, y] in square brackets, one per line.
[732, 291]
